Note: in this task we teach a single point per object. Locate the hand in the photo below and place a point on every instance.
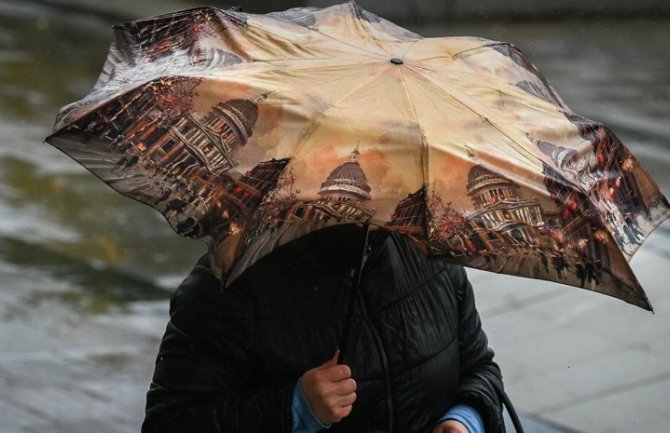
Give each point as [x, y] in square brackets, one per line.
[450, 426]
[330, 390]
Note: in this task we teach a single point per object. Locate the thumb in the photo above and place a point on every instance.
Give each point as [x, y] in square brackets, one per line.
[332, 361]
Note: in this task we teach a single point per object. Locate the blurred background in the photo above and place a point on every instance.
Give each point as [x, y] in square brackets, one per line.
[86, 274]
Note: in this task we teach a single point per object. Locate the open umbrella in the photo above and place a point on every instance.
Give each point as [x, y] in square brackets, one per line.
[248, 131]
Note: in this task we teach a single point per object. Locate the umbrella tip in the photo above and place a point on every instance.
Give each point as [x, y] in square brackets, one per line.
[397, 61]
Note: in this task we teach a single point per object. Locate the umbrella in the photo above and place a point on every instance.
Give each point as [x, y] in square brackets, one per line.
[248, 131]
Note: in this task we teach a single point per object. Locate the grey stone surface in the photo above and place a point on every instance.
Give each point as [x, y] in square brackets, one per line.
[91, 376]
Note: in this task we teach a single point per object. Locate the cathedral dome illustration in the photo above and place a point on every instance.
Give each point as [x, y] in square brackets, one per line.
[487, 187]
[498, 205]
[480, 174]
[243, 114]
[347, 181]
[233, 121]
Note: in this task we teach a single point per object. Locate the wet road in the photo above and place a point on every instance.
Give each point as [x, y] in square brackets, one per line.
[85, 273]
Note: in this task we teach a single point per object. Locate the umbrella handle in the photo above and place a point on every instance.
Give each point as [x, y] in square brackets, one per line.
[355, 287]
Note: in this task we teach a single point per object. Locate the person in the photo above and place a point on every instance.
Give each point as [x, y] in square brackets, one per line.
[263, 354]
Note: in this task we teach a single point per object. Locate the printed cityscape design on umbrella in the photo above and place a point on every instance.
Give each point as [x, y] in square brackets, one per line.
[184, 118]
[559, 238]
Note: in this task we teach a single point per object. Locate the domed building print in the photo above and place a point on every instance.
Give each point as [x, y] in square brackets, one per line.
[498, 206]
[180, 140]
[284, 216]
[341, 197]
[342, 194]
[348, 181]
[192, 143]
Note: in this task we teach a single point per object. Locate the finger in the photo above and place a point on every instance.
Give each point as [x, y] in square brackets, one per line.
[345, 411]
[332, 361]
[347, 400]
[345, 387]
[337, 373]
[336, 415]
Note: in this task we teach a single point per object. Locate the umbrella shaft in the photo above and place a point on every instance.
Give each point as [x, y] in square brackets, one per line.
[355, 286]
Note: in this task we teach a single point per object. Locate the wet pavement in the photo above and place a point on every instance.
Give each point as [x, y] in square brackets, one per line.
[85, 274]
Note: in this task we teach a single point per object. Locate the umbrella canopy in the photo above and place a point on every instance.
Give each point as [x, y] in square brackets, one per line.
[248, 131]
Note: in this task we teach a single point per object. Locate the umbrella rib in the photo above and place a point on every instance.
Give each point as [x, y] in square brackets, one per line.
[527, 155]
[353, 62]
[533, 71]
[367, 27]
[424, 156]
[510, 89]
[318, 119]
[502, 82]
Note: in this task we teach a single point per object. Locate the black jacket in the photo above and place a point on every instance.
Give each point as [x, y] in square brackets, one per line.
[231, 356]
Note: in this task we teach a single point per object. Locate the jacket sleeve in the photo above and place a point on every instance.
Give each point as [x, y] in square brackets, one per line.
[480, 378]
[204, 377]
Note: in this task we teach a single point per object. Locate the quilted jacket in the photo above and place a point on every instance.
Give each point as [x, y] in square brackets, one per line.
[230, 356]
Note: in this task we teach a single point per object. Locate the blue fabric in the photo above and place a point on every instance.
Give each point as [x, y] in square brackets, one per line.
[466, 415]
[304, 420]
